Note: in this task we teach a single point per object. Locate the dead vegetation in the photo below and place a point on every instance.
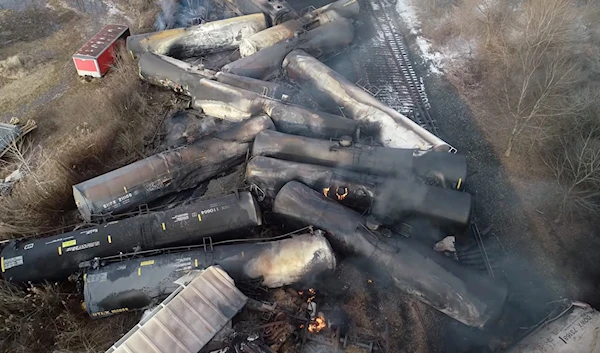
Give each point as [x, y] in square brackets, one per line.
[122, 131]
[49, 318]
[530, 71]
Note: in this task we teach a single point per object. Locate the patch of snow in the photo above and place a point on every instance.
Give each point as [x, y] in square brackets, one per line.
[409, 15]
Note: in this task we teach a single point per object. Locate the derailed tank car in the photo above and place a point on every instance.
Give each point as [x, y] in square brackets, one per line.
[286, 30]
[436, 280]
[445, 169]
[396, 130]
[167, 172]
[221, 100]
[277, 11]
[575, 329]
[57, 257]
[266, 64]
[206, 38]
[138, 283]
[391, 199]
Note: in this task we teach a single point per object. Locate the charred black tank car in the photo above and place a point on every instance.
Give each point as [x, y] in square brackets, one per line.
[445, 169]
[137, 283]
[57, 257]
[167, 172]
[390, 199]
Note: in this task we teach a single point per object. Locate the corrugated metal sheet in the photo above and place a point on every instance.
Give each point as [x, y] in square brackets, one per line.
[188, 319]
[8, 133]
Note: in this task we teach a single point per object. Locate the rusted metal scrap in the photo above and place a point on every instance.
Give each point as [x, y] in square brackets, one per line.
[137, 283]
[288, 29]
[396, 130]
[266, 64]
[206, 38]
[438, 281]
[167, 172]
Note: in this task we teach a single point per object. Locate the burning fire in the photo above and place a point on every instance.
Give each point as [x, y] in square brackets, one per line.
[340, 192]
[341, 195]
[317, 324]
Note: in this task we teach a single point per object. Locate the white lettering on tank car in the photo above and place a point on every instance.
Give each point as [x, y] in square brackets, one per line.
[13, 262]
[82, 246]
[89, 231]
[181, 217]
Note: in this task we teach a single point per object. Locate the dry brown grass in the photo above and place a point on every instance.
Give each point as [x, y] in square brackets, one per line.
[48, 318]
[125, 115]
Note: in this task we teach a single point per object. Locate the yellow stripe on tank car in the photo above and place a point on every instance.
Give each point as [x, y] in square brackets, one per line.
[164, 227]
[2, 263]
[66, 244]
[60, 250]
[459, 183]
[139, 271]
[109, 240]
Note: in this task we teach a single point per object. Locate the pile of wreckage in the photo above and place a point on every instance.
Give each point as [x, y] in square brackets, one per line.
[356, 184]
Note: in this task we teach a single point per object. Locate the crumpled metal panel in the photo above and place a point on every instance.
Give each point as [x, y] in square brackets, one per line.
[188, 319]
[8, 133]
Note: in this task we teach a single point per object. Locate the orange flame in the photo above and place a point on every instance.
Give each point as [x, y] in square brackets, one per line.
[317, 325]
[326, 192]
[341, 196]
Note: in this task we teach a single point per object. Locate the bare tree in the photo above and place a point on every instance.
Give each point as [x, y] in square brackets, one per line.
[576, 166]
[533, 66]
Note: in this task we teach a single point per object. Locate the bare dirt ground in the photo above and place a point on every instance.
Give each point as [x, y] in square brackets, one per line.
[37, 39]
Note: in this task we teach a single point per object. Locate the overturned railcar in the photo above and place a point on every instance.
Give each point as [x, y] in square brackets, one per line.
[391, 199]
[574, 329]
[138, 283]
[57, 257]
[182, 77]
[444, 169]
[432, 278]
[266, 64]
[290, 28]
[206, 38]
[167, 172]
[222, 100]
[277, 11]
[396, 130]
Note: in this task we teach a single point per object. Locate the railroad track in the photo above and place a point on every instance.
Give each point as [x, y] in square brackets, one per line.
[384, 59]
